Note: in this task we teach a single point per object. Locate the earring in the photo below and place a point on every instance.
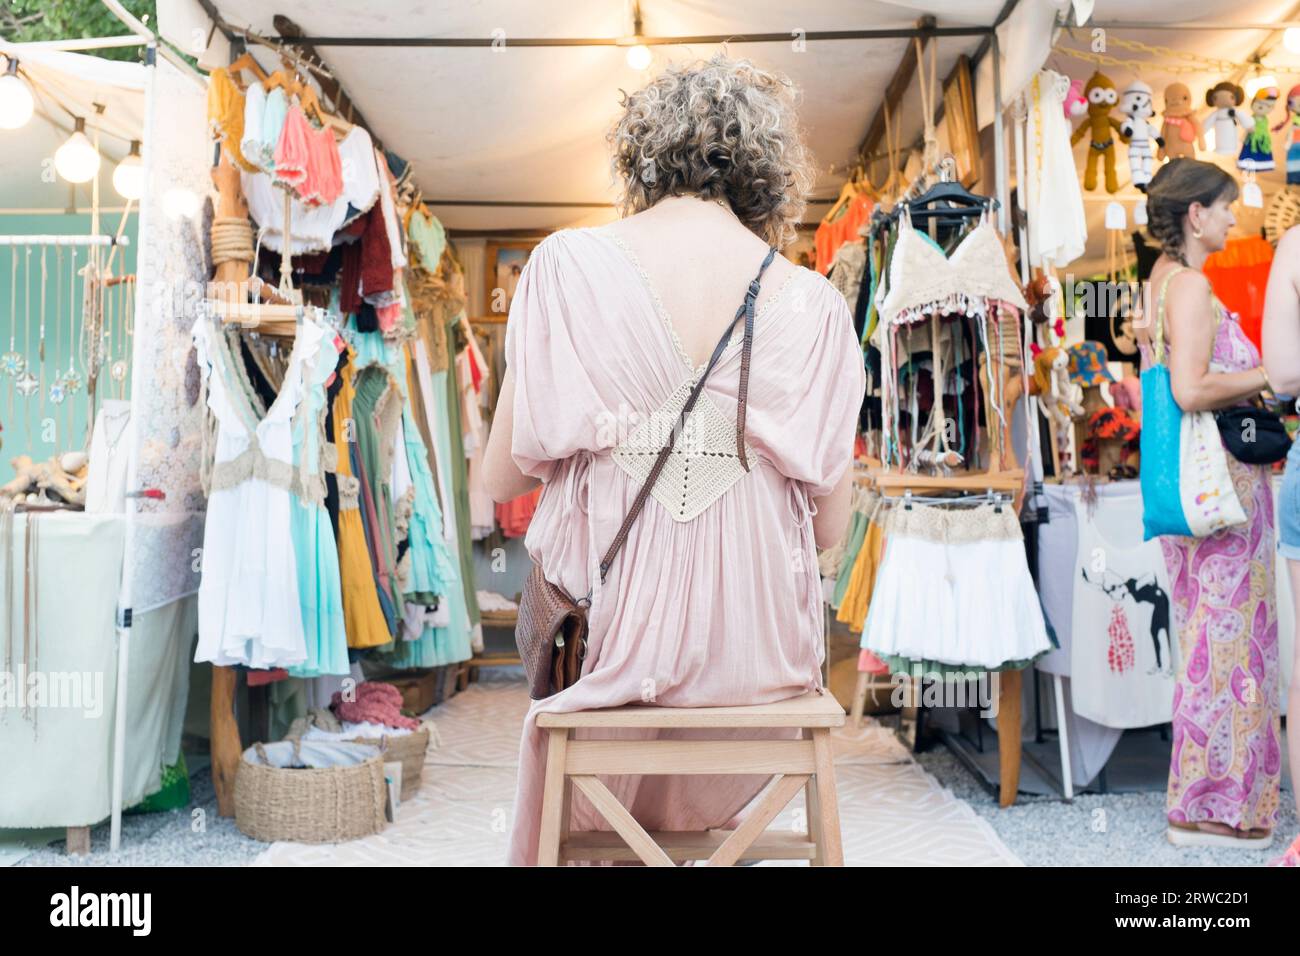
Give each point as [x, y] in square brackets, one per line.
[1196, 233]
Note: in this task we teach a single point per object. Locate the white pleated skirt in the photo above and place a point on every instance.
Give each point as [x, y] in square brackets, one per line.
[954, 587]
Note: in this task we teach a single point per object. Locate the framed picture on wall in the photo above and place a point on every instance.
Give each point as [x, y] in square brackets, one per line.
[959, 122]
[503, 265]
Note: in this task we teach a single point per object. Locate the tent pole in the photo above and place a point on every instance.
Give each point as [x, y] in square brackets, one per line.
[999, 138]
[133, 24]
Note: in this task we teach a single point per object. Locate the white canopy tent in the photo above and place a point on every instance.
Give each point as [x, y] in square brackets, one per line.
[502, 106]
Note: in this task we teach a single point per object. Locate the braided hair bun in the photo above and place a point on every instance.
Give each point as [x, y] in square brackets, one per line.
[1172, 191]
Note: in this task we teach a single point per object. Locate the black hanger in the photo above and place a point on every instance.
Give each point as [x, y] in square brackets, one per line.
[949, 203]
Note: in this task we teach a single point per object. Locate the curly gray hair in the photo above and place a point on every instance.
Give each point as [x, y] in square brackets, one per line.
[720, 129]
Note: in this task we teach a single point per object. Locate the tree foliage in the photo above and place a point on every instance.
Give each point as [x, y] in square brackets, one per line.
[23, 21]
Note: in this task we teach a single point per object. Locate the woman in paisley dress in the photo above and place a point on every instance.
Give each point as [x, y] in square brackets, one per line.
[1225, 771]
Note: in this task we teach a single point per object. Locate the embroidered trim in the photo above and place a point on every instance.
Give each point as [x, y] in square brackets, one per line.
[956, 303]
[252, 463]
[349, 492]
[952, 526]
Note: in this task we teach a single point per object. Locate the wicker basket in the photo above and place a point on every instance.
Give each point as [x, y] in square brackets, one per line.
[410, 750]
[339, 795]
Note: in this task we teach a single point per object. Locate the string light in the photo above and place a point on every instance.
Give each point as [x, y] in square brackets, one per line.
[77, 160]
[16, 103]
[128, 178]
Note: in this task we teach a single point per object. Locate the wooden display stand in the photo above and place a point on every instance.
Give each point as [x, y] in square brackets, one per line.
[1004, 475]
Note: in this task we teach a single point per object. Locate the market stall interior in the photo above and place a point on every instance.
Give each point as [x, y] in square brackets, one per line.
[313, 419]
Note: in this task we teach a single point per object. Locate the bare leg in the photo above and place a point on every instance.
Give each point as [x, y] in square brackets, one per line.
[1293, 699]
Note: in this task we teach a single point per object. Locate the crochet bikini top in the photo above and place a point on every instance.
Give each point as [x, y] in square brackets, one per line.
[923, 281]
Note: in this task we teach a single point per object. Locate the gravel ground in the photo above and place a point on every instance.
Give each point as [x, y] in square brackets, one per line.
[165, 839]
[1096, 829]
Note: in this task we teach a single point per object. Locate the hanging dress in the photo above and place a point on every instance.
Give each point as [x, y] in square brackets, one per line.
[319, 588]
[249, 611]
[364, 618]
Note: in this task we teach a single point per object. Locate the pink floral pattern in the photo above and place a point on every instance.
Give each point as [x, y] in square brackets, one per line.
[1227, 755]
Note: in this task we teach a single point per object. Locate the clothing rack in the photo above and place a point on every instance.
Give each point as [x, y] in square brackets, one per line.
[974, 488]
[51, 240]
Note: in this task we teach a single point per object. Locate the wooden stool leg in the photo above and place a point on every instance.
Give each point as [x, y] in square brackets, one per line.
[1009, 736]
[828, 809]
[860, 698]
[816, 834]
[548, 840]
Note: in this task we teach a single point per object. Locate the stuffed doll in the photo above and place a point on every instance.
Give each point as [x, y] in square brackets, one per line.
[1102, 97]
[1136, 104]
[1257, 150]
[1181, 133]
[1075, 103]
[1293, 136]
[1225, 99]
[1051, 383]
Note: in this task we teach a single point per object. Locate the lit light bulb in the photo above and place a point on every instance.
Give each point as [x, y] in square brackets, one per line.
[15, 98]
[77, 160]
[1291, 39]
[638, 57]
[128, 178]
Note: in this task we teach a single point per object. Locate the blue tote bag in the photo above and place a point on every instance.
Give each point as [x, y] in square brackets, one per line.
[1186, 486]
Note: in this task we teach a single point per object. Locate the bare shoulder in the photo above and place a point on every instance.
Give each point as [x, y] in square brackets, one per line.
[1288, 251]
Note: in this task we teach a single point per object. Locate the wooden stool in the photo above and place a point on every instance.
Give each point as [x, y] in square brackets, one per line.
[803, 763]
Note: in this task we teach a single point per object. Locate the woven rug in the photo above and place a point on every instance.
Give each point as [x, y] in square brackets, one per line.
[891, 811]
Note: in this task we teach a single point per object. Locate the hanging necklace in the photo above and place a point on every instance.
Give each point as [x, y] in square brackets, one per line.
[40, 351]
[125, 301]
[56, 383]
[72, 380]
[27, 382]
[11, 363]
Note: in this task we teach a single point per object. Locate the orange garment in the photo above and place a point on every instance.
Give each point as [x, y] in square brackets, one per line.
[324, 180]
[226, 115]
[1239, 276]
[515, 515]
[844, 228]
[363, 618]
[293, 151]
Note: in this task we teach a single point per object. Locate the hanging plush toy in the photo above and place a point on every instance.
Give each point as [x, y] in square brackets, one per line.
[1075, 103]
[1225, 100]
[1293, 136]
[1257, 151]
[1102, 97]
[1181, 133]
[1140, 132]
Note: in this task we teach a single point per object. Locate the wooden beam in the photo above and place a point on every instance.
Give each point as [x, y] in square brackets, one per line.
[896, 89]
[330, 86]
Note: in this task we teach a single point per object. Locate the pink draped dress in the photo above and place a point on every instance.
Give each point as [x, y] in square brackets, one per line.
[715, 609]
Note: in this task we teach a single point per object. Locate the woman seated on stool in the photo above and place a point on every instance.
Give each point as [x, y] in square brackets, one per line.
[714, 599]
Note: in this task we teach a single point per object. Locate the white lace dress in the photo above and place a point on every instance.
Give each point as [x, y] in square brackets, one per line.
[249, 611]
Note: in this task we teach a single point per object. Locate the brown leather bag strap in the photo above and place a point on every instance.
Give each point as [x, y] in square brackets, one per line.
[746, 311]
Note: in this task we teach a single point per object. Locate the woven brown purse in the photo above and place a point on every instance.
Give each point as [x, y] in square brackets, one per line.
[552, 628]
